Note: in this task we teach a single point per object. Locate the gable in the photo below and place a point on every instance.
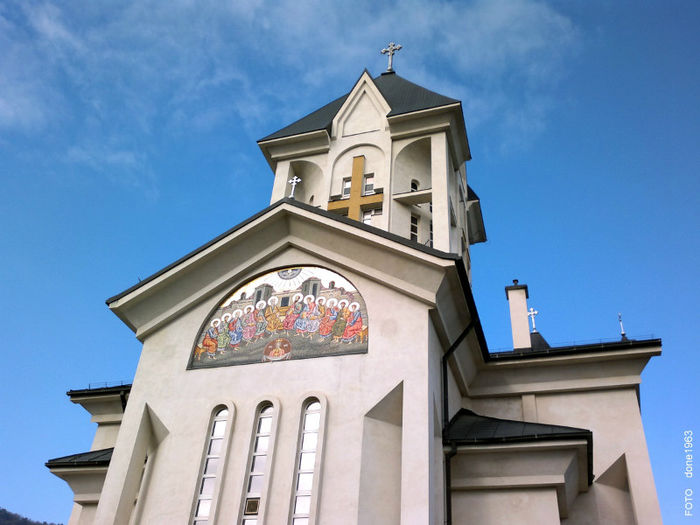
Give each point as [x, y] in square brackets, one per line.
[364, 110]
[363, 117]
[288, 234]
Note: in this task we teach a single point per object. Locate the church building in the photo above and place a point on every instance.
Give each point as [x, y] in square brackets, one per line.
[323, 362]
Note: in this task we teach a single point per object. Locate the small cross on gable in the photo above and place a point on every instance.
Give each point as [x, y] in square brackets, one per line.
[353, 202]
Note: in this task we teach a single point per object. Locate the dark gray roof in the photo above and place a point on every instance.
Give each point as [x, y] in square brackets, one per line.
[470, 428]
[404, 96]
[315, 121]
[94, 458]
[401, 95]
[100, 391]
[537, 342]
[532, 353]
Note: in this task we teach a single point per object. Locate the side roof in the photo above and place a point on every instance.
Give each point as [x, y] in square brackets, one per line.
[100, 391]
[402, 96]
[470, 428]
[94, 458]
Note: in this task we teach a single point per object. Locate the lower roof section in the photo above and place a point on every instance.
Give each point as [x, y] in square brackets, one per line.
[94, 458]
[469, 428]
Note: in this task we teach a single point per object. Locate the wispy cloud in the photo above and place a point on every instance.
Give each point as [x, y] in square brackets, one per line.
[111, 70]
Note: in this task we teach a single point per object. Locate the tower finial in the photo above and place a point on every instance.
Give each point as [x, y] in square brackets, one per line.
[390, 50]
[623, 335]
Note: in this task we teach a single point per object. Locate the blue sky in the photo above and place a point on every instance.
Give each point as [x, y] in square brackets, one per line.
[127, 139]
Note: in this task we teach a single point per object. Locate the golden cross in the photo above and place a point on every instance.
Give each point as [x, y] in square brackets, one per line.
[356, 201]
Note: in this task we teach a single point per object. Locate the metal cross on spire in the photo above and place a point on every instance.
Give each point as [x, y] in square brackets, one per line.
[531, 313]
[293, 181]
[623, 335]
[390, 50]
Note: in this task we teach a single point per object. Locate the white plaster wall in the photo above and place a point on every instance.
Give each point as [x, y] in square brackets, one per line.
[501, 407]
[613, 417]
[105, 436]
[183, 400]
[498, 507]
[282, 175]
[365, 116]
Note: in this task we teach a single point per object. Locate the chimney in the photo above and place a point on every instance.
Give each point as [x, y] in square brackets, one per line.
[517, 301]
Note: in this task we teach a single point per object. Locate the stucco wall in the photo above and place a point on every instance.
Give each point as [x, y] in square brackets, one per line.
[183, 400]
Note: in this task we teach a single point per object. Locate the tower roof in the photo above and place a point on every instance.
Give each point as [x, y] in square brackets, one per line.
[402, 96]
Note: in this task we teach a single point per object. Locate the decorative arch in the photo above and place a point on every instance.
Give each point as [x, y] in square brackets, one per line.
[311, 176]
[342, 165]
[413, 163]
[291, 313]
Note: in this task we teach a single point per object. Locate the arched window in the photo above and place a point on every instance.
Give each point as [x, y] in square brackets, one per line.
[258, 465]
[210, 472]
[414, 185]
[306, 469]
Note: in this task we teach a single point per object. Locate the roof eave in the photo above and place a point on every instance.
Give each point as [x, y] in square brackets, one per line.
[459, 135]
[267, 145]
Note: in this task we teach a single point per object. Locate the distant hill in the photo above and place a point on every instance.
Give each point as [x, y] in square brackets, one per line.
[10, 518]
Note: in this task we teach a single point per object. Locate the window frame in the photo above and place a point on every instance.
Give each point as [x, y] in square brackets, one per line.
[369, 213]
[222, 457]
[346, 184]
[414, 228]
[365, 178]
[315, 491]
[260, 405]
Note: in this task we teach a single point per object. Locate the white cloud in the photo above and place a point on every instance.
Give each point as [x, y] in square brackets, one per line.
[111, 70]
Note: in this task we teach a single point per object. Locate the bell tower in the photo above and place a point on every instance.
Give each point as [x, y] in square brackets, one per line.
[390, 154]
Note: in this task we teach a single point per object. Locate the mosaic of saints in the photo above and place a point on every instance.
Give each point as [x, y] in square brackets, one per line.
[292, 313]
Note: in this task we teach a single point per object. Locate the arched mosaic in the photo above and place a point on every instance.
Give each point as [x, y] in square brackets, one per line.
[292, 313]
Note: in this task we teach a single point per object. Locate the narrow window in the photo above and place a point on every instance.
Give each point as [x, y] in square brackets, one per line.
[255, 480]
[285, 301]
[430, 239]
[414, 227]
[346, 187]
[306, 463]
[367, 217]
[211, 467]
[414, 185]
[368, 184]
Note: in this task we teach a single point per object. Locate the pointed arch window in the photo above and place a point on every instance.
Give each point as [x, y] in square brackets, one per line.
[257, 477]
[212, 466]
[306, 472]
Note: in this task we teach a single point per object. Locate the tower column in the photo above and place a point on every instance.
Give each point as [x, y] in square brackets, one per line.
[439, 164]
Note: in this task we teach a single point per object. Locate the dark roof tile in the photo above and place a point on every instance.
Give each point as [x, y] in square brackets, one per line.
[94, 458]
[401, 95]
[470, 428]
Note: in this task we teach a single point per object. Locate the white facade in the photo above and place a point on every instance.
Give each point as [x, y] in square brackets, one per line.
[382, 446]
